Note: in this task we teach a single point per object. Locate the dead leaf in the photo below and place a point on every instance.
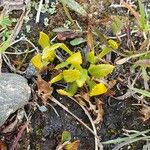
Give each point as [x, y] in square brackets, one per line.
[90, 40]
[95, 109]
[145, 111]
[132, 10]
[44, 89]
[13, 4]
[2, 145]
[72, 146]
[144, 44]
[99, 112]
[145, 62]
[19, 135]
[62, 36]
[10, 127]
[104, 21]
[112, 83]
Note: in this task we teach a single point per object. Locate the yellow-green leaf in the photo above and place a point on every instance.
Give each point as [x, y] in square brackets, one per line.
[77, 41]
[100, 71]
[48, 54]
[90, 83]
[66, 136]
[57, 78]
[98, 89]
[113, 44]
[83, 77]
[5, 45]
[71, 75]
[75, 59]
[63, 92]
[104, 52]
[44, 40]
[91, 58]
[72, 88]
[37, 62]
[64, 47]
[62, 65]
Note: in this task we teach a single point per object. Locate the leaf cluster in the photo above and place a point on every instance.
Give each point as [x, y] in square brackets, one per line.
[72, 71]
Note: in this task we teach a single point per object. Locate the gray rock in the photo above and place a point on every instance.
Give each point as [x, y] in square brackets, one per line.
[30, 71]
[14, 94]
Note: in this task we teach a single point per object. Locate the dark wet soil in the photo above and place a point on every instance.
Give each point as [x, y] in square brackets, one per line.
[47, 127]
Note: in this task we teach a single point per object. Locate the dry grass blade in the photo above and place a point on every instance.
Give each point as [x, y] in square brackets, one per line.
[97, 142]
[44, 91]
[124, 60]
[19, 135]
[90, 40]
[39, 11]
[18, 26]
[136, 14]
[66, 109]
[119, 146]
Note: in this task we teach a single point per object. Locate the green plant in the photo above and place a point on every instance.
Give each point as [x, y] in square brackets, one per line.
[72, 4]
[71, 70]
[134, 137]
[65, 142]
[5, 23]
[143, 21]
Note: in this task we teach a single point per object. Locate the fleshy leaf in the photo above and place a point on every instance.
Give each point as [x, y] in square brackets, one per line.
[72, 88]
[75, 59]
[63, 92]
[48, 54]
[62, 65]
[62, 46]
[44, 40]
[83, 77]
[66, 136]
[77, 41]
[104, 52]
[71, 75]
[113, 44]
[72, 4]
[37, 62]
[57, 78]
[91, 58]
[98, 89]
[90, 83]
[100, 71]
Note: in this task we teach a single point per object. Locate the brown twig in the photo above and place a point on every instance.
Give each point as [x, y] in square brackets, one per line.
[19, 135]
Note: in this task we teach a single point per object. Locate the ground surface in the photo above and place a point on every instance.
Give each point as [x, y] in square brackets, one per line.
[47, 126]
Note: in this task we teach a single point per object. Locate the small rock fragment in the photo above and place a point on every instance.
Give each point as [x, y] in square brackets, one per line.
[14, 94]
